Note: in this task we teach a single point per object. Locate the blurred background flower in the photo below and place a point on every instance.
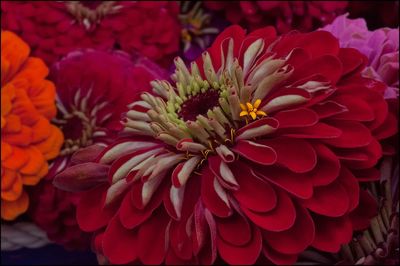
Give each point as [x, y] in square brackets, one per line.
[55, 28]
[93, 89]
[199, 28]
[284, 15]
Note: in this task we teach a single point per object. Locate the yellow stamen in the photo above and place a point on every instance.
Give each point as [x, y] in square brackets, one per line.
[251, 110]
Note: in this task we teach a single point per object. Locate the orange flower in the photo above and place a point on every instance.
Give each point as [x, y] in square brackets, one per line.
[28, 139]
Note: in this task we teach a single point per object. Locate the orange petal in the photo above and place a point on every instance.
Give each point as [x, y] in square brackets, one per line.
[8, 178]
[51, 146]
[13, 124]
[12, 209]
[13, 190]
[14, 50]
[32, 180]
[42, 97]
[24, 108]
[6, 150]
[21, 138]
[35, 162]
[41, 130]
[17, 159]
[7, 95]
[33, 71]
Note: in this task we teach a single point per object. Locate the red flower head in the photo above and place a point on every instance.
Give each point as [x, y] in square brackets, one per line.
[253, 153]
[55, 28]
[94, 88]
[285, 15]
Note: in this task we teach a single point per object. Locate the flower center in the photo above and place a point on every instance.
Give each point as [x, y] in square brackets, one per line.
[195, 24]
[78, 130]
[198, 105]
[90, 13]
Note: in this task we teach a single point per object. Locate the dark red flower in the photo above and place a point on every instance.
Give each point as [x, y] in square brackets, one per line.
[55, 28]
[284, 15]
[254, 153]
[93, 89]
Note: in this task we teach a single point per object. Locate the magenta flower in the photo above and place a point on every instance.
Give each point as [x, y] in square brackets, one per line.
[55, 28]
[93, 90]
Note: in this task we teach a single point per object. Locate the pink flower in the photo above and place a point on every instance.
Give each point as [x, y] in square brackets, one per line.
[54, 28]
[381, 46]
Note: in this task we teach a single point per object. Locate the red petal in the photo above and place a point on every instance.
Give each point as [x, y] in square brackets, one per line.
[373, 152]
[131, 216]
[295, 154]
[331, 233]
[256, 152]
[81, 177]
[328, 66]
[90, 213]
[254, 193]
[180, 240]
[267, 123]
[352, 60]
[316, 43]
[323, 198]
[387, 129]
[297, 57]
[279, 258]
[120, 245]
[236, 33]
[244, 255]
[299, 117]
[317, 131]
[299, 185]
[222, 171]
[234, 230]
[328, 109]
[279, 219]
[297, 238]
[151, 236]
[365, 211]
[357, 108]
[350, 183]
[266, 33]
[87, 154]
[208, 254]
[354, 134]
[277, 100]
[327, 168]
[210, 198]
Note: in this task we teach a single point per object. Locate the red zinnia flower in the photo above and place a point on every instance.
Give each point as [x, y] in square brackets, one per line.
[57, 27]
[285, 15]
[255, 152]
[93, 88]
